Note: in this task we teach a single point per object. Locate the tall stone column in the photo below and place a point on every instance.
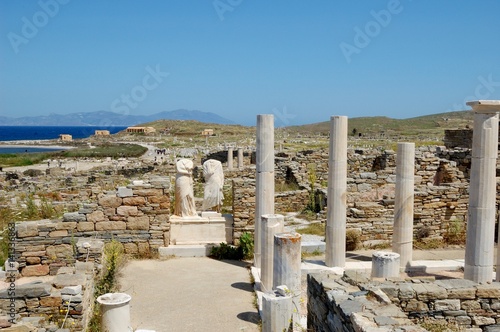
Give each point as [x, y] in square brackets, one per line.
[402, 238]
[287, 259]
[264, 186]
[240, 158]
[482, 192]
[272, 224]
[337, 191]
[229, 159]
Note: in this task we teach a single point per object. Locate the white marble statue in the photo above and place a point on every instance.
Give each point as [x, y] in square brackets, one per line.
[214, 180]
[184, 197]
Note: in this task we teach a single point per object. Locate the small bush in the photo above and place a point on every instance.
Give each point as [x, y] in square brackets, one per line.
[246, 245]
[352, 239]
[455, 234]
[423, 232]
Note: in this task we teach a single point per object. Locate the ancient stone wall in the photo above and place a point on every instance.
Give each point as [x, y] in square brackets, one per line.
[360, 304]
[136, 215]
[335, 305]
[458, 138]
[66, 297]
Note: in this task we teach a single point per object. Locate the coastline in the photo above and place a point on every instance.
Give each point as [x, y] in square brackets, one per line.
[34, 144]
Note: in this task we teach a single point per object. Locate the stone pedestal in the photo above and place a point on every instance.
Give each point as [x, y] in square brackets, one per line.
[385, 264]
[198, 230]
[287, 260]
[276, 312]
[337, 192]
[482, 192]
[264, 186]
[272, 224]
[402, 240]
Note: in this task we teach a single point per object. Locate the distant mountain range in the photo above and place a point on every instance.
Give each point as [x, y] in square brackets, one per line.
[104, 118]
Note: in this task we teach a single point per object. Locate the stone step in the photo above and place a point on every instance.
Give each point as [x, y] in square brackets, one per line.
[193, 250]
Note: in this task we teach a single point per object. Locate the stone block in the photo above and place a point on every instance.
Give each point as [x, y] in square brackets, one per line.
[61, 251]
[480, 320]
[33, 289]
[85, 226]
[60, 233]
[74, 217]
[148, 192]
[470, 305]
[96, 216]
[110, 226]
[442, 305]
[134, 201]
[138, 223]
[71, 290]
[127, 210]
[69, 225]
[35, 270]
[158, 199]
[64, 280]
[429, 291]
[51, 301]
[124, 192]
[33, 260]
[489, 291]
[110, 201]
[33, 253]
[27, 229]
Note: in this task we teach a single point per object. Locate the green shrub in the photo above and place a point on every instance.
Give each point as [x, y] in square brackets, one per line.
[246, 245]
[455, 234]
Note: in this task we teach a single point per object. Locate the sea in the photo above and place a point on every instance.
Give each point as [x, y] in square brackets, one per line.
[32, 133]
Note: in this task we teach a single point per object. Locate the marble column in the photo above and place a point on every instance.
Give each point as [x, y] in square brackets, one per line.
[240, 158]
[272, 224]
[264, 181]
[482, 192]
[337, 191]
[402, 238]
[276, 312]
[287, 260]
[229, 159]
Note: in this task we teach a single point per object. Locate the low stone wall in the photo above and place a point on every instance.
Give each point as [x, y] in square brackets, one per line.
[361, 304]
[66, 298]
[137, 216]
[334, 305]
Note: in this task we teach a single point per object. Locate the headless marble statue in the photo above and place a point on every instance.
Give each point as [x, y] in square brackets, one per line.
[214, 180]
[184, 197]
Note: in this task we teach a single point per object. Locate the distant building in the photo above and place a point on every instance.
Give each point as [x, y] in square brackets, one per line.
[141, 130]
[102, 133]
[66, 137]
[207, 132]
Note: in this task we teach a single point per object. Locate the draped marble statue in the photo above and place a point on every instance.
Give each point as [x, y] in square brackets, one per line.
[184, 197]
[214, 180]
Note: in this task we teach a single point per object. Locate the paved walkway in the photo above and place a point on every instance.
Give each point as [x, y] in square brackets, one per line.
[190, 294]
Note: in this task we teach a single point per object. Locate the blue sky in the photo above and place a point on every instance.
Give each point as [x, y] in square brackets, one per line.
[301, 60]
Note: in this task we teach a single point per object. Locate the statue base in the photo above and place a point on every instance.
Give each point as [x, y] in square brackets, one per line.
[210, 228]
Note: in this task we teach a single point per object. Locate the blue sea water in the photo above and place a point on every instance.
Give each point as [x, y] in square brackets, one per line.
[22, 133]
[17, 133]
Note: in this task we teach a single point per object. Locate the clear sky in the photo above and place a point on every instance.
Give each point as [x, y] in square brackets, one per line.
[301, 60]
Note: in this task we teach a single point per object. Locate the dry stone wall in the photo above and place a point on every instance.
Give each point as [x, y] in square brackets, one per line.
[136, 215]
[360, 304]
